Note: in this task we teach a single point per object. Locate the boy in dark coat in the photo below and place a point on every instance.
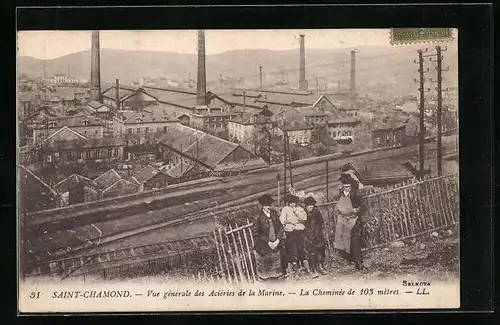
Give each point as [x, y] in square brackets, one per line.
[315, 239]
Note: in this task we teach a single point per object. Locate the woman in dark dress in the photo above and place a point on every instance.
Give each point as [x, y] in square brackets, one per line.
[349, 209]
[268, 236]
[315, 239]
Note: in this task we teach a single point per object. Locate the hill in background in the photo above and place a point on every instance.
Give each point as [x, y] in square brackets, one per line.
[384, 71]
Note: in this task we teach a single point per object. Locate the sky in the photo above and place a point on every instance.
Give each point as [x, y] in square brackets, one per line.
[53, 44]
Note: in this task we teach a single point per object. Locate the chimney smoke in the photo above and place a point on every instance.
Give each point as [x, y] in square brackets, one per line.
[201, 91]
[302, 65]
[95, 67]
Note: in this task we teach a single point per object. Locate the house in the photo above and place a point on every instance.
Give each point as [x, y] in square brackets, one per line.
[144, 175]
[249, 127]
[34, 194]
[206, 118]
[388, 132]
[298, 132]
[67, 146]
[142, 123]
[76, 189]
[159, 180]
[182, 145]
[112, 184]
[107, 179]
[313, 115]
[119, 188]
[88, 126]
[341, 129]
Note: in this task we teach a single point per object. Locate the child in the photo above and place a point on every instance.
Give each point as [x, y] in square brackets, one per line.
[293, 218]
[315, 239]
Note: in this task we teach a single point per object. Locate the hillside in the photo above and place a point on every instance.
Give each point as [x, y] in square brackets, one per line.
[386, 70]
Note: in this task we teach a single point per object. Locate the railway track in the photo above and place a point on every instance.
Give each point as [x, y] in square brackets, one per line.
[235, 203]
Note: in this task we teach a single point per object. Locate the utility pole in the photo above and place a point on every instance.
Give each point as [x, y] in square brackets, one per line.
[421, 141]
[439, 109]
[439, 89]
[422, 113]
[284, 158]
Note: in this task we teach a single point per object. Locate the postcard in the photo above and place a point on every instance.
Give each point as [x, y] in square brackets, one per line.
[237, 170]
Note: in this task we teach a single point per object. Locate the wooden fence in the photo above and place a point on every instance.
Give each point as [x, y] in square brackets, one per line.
[399, 212]
[234, 250]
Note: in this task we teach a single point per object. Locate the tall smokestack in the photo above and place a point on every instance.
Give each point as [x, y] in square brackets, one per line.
[353, 74]
[95, 67]
[201, 83]
[117, 94]
[302, 65]
[260, 76]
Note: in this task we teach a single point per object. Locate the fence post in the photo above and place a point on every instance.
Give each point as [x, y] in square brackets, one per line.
[219, 255]
[225, 256]
[236, 258]
[249, 251]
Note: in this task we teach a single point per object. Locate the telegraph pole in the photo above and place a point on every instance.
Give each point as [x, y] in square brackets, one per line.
[439, 110]
[439, 69]
[422, 113]
[284, 158]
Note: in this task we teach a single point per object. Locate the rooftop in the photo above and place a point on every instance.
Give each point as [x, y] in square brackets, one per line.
[107, 179]
[145, 174]
[383, 169]
[67, 183]
[387, 123]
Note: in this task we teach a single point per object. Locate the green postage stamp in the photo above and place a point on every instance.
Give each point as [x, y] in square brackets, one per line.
[420, 35]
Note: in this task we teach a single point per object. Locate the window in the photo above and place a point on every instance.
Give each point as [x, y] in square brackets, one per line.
[52, 124]
[377, 139]
[147, 130]
[138, 130]
[129, 131]
[115, 152]
[98, 153]
[85, 122]
[68, 156]
[165, 129]
[110, 152]
[87, 154]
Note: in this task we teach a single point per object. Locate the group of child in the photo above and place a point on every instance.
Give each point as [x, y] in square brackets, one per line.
[304, 242]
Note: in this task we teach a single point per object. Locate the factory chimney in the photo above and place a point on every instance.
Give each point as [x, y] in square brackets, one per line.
[117, 94]
[353, 75]
[95, 67]
[260, 76]
[201, 84]
[302, 65]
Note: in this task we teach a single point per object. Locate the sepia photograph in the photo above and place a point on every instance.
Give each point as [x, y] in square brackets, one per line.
[238, 170]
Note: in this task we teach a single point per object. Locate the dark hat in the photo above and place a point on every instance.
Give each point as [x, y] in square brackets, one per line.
[266, 199]
[309, 201]
[291, 198]
[347, 179]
